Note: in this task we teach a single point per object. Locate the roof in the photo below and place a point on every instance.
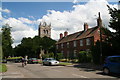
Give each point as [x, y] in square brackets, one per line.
[79, 35]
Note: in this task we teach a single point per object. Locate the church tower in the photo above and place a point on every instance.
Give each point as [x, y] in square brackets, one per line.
[44, 30]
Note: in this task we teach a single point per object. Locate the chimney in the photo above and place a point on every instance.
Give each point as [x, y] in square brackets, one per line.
[85, 26]
[99, 21]
[61, 35]
[65, 33]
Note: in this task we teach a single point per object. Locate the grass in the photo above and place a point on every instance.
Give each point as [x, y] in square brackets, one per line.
[39, 61]
[3, 68]
[65, 63]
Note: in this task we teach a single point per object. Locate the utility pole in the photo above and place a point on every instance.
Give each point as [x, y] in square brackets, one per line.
[100, 26]
[101, 56]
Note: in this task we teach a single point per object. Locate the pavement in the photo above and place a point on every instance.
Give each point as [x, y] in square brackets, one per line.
[12, 72]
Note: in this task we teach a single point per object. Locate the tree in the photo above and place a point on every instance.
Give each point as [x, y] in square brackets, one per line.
[48, 44]
[7, 41]
[32, 46]
[115, 25]
[107, 49]
[0, 46]
[25, 48]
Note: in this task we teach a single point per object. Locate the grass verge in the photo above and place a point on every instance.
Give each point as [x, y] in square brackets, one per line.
[65, 63]
[3, 68]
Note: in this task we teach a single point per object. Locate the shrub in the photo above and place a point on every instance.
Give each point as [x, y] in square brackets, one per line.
[48, 55]
[63, 60]
[45, 56]
[84, 57]
[59, 56]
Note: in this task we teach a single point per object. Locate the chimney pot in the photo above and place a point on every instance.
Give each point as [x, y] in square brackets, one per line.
[61, 35]
[65, 33]
[85, 26]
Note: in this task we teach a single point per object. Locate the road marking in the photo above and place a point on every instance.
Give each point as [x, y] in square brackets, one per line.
[79, 76]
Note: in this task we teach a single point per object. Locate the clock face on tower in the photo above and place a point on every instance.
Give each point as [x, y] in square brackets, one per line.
[44, 30]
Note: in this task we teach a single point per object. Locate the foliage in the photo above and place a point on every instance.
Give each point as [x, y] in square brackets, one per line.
[115, 25]
[84, 57]
[111, 44]
[63, 60]
[59, 56]
[48, 55]
[7, 41]
[32, 46]
[97, 55]
[3, 68]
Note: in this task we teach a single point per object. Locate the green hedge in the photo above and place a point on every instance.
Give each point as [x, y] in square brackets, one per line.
[14, 58]
[84, 57]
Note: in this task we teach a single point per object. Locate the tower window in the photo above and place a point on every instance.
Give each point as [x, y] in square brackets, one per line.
[44, 32]
[47, 31]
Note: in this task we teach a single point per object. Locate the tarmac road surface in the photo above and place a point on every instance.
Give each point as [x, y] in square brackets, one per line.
[15, 70]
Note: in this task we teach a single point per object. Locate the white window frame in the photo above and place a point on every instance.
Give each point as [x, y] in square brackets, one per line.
[75, 53]
[74, 43]
[68, 44]
[62, 45]
[87, 41]
[81, 42]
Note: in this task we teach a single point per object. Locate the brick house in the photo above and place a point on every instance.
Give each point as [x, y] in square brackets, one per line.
[72, 44]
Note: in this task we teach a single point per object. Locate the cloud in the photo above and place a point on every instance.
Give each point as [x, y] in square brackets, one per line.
[5, 10]
[32, 17]
[20, 29]
[75, 1]
[73, 20]
[25, 20]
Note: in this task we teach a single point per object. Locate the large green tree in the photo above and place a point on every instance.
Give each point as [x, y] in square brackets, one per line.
[32, 46]
[115, 25]
[7, 41]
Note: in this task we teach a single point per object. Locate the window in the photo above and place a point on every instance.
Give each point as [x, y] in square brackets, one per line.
[62, 45]
[75, 53]
[46, 31]
[115, 59]
[74, 43]
[87, 41]
[67, 44]
[81, 42]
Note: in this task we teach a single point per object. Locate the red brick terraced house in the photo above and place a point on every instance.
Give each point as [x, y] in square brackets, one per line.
[72, 44]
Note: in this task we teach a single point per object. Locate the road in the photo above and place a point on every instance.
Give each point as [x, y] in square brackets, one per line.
[15, 70]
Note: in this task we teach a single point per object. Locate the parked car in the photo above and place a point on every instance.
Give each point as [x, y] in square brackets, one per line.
[32, 60]
[112, 65]
[50, 61]
[4, 60]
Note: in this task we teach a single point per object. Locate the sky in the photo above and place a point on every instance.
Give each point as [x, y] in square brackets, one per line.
[24, 17]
